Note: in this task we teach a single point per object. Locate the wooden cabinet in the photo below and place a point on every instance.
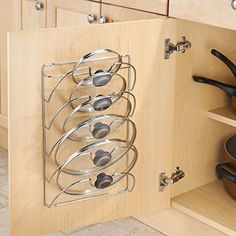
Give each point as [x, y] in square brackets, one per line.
[219, 13]
[172, 116]
[156, 6]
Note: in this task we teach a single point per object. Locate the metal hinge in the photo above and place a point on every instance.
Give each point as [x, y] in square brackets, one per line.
[175, 177]
[181, 46]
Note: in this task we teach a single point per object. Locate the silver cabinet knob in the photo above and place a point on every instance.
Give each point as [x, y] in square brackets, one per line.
[102, 20]
[38, 5]
[91, 19]
[233, 4]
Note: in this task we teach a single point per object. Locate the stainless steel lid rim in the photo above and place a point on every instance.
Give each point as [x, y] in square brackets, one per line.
[119, 176]
[89, 80]
[80, 108]
[114, 97]
[130, 142]
[62, 166]
[53, 203]
[112, 70]
[66, 135]
[114, 125]
[89, 56]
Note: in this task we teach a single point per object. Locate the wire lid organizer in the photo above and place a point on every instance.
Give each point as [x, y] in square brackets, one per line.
[88, 133]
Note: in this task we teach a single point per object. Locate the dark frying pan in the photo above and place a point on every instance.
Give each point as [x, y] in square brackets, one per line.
[225, 60]
[229, 89]
[227, 170]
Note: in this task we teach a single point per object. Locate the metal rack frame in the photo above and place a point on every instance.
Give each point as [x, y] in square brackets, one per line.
[77, 69]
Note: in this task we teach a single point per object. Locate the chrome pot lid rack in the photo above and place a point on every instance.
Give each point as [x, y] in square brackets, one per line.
[88, 136]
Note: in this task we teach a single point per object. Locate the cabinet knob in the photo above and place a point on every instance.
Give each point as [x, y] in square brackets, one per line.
[91, 18]
[38, 5]
[102, 20]
[233, 4]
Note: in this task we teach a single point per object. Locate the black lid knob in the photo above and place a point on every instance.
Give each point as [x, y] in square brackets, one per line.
[101, 158]
[103, 181]
[102, 104]
[100, 130]
[101, 78]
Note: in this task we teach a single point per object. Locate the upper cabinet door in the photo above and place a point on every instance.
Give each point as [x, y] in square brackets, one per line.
[71, 12]
[33, 14]
[219, 13]
[144, 42]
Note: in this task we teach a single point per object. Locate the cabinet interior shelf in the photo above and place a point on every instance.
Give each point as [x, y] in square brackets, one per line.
[209, 204]
[224, 114]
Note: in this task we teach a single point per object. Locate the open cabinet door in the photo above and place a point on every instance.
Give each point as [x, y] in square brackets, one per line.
[153, 116]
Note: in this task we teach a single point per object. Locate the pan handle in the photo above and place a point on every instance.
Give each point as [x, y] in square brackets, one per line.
[226, 60]
[230, 89]
[223, 170]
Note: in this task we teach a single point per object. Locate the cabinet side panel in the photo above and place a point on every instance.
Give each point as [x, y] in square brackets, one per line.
[198, 141]
[154, 91]
[10, 20]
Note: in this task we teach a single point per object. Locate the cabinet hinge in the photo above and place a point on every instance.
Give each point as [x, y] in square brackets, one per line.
[176, 176]
[181, 46]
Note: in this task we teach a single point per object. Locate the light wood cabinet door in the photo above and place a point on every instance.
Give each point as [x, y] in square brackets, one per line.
[218, 13]
[70, 13]
[154, 91]
[33, 14]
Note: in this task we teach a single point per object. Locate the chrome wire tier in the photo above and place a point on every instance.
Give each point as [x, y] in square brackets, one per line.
[88, 133]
